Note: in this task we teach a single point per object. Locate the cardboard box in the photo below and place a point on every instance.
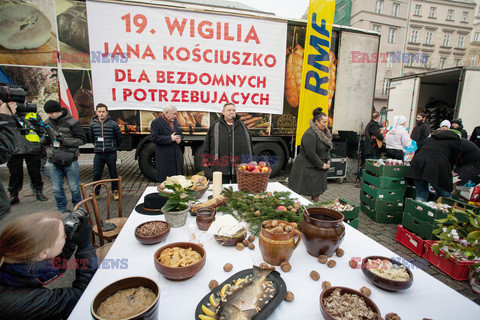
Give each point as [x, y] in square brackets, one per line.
[379, 204]
[383, 182]
[381, 216]
[386, 171]
[383, 194]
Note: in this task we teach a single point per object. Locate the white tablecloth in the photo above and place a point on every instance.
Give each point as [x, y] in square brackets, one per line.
[427, 298]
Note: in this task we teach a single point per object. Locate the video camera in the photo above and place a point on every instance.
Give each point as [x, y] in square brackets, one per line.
[71, 221]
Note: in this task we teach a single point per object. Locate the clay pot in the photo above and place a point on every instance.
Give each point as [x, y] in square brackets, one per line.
[323, 230]
[278, 247]
[205, 217]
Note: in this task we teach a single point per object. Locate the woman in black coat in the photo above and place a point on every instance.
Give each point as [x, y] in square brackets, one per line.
[167, 136]
[309, 173]
[433, 163]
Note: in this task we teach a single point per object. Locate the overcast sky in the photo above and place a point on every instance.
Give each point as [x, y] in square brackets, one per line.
[284, 8]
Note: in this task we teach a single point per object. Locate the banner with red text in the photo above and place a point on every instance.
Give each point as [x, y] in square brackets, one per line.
[144, 58]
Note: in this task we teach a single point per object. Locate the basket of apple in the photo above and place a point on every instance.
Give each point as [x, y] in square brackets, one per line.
[253, 177]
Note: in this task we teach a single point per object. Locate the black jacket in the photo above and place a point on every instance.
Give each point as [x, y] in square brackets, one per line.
[475, 137]
[420, 133]
[109, 131]
[23, 297]
[372, 129]
[7, 147]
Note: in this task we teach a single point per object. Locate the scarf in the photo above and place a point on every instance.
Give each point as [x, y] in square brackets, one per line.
[325, 136]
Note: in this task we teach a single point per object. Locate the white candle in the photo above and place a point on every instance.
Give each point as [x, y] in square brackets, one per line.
[217, 183]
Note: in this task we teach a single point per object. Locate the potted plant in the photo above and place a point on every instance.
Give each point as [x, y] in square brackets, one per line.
[459, 235]
[179, 199]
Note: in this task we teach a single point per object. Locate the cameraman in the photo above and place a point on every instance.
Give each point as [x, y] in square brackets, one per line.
[33, 250]
[7, 146]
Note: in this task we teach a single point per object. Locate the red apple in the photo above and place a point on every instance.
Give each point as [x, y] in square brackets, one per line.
[253, 163]
[262, 164]
[258, 168]
[265, 169]
[281, 208]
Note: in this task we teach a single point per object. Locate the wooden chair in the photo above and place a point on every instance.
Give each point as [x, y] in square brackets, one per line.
[88, 190]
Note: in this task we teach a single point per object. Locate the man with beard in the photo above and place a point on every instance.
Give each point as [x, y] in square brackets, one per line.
[421, 130]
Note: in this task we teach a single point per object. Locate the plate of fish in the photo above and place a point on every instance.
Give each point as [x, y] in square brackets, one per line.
[248, 294]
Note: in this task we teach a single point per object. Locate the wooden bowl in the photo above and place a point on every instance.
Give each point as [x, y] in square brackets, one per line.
[329, 291]
[127, 283]
[152, 239]
[180, 273]
[229, 241]
[384, 283]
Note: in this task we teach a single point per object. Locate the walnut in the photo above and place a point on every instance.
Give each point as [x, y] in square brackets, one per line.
[245, 242]
[266, 224]
[274, 223]
[277, 230]
[257, 213]
[288, 228]
[314, 275]
[365, 291]
[294, 224]
[263, 265]
[285, 266]
[331, 263]
[239, 246]
[353, 264]
[213, 284]
[294, 210]
[228, 267]
[251, 246]
[340, 252]
[326, 285]
[251, 238]
[392, 316]
[290, 207]
[269, 194]
[289, 296]
[322, 259]
[282, 224]
[297, 206]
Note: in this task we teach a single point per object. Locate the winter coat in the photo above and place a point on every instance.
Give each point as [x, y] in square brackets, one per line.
[398, 138]
[308, 176]
[420, 133]
[71, 131]
[23, 294]
[109, 131]
[217, 147]
[29, 141]
[468, 164]
[372, 129]
[168, 154]
[7, 147]
[475, 138]
[435, 158]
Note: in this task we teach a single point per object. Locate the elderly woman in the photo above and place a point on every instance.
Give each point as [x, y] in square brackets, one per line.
[397, 139]
[445, 125]
[309, 172]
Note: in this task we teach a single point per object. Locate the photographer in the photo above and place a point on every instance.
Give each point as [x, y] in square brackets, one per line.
[7, 146]
[33, 249]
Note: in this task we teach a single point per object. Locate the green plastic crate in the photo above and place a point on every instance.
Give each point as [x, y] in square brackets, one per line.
[383, 194]
[347, 214]
[386, 171]
[384, 182]
[381, 216]
[426, 213]
[422, 228]
[380, 205]
[353, 222]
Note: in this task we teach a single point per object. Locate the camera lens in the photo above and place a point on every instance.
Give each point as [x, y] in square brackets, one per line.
[27, 107]
[8, 94]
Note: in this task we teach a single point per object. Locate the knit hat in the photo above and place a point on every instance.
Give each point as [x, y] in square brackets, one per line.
[52, 106]
[457, 121]
[445, 123]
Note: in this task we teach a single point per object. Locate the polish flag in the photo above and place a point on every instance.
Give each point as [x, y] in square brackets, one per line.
[65, 96]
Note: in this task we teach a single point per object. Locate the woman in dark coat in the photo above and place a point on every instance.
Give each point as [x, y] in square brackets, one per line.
[167, 136]
[309, 173]
[433, 163]
[468, 164]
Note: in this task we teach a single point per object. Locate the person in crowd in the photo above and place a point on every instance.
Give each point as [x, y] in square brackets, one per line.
[7, 147]
[34, 250]
[309, 173]
[468, 164]
[458, 125]
[373, 138]
[433, 163]
[397, 139]
[165, 133]
[445, 125]
[62, 153]
[28, 149]
[475, 137]
[106, 137]
[421, 131]
[227, 143]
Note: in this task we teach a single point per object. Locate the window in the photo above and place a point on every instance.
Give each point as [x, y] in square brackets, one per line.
[446, 40]
[464, 16]
[473, 56]
[385, 86]
[414, 37]
[395, 8]
[418, 10]
[391, 35]
[476, 36]
[433, 12]
[376, 28]
[450, 15]
[379, 6]
[442, 63]
[460, 42]
[456, 62]
[429, 38]
[389, 60]
[410, 60]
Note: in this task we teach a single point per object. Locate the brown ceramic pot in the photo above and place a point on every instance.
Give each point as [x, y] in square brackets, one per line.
[205, 217]
[323, 230]
[278, 247]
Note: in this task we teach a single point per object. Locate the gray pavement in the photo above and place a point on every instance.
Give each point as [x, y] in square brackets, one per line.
[134, 183]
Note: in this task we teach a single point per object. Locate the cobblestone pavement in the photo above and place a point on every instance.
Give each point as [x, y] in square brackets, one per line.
[134, 183]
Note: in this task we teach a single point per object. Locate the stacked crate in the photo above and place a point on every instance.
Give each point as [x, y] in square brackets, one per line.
[350, 217]
[382, 192]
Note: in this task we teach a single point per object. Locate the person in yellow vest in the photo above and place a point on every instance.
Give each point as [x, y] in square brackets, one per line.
[28, 149]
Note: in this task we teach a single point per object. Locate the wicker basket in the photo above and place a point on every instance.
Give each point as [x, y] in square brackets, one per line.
[253, 182]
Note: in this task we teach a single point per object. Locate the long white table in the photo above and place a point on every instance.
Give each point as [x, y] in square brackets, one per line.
[427, 298]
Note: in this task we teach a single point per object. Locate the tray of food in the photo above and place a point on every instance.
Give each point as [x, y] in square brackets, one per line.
[248, 294]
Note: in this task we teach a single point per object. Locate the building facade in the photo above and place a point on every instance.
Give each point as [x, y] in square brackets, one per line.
[473, 52]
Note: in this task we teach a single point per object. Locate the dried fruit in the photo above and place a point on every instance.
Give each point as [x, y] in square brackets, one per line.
[251, 238]
[289, 296]
[239, 246]
[326, 285]
[228, 267]
[331, 263]
[340, 252]
[392, 316]
[366, 291]
[353, 264]
[322, 259]
[285, 266]
[213, 284]
[245, 242]
[314, 275]
[251, 246]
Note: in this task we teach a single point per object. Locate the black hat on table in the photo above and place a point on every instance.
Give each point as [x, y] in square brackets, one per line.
[152, 204]
[52, 106]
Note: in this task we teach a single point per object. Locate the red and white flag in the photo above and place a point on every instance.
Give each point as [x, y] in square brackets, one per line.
[66, 99]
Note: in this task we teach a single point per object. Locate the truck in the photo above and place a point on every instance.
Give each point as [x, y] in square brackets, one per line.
[268, 105]
[444, 94]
